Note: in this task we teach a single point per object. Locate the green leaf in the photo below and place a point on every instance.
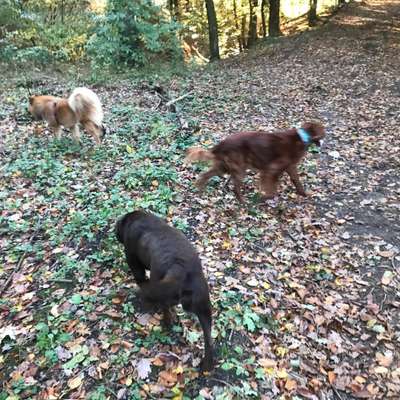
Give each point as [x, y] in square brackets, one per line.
[76, 299]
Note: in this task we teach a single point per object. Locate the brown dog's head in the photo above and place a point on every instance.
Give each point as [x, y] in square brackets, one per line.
[34, 108]
[316, 131]
[31, 105]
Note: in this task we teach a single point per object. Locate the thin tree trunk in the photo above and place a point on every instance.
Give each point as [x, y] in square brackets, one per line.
[173, 6]
[243, 30]
[237, 26]
[274, 18]
[252, 23]
[212, 30]
[62, 12]
[263, 23]
[312, 13]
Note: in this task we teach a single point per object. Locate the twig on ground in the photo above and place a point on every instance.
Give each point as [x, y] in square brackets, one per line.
[337, 393]
[178, 99]
[56, 280]
[20, 261]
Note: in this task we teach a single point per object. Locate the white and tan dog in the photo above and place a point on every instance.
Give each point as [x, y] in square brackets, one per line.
[82, 107]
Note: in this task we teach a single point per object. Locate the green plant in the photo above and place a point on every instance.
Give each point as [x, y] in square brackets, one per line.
[132, 33]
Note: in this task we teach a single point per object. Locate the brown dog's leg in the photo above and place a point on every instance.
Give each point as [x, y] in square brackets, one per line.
[294, 177]
[93, 130]
[268, 184]
[206, 176]
[237, 185]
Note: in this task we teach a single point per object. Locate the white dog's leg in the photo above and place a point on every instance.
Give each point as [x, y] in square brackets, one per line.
[75, 133]
[57, 131]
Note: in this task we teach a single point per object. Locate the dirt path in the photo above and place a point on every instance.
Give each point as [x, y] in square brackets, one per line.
[305, 292]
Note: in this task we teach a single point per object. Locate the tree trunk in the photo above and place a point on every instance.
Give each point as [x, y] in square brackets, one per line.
[274, 18]
[62, 12]
[252, 23]
[243, 31]
[173, 6]
[264, 26]
[237, 26]
[212, 30]
[312, 13]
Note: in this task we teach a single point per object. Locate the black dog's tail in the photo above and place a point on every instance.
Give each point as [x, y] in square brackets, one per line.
[168, 290]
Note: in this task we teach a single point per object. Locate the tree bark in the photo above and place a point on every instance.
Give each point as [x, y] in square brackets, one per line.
[274, 18]
[173, 6]
[62, 12]
[312, 13]
[252, 23]
[212, 30]
[243, 31]
[237, 26]
[263, 23]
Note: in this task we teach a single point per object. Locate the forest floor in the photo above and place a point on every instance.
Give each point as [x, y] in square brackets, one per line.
[305, 292]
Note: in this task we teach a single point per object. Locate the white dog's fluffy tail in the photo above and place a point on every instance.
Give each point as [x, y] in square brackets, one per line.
[86, 104]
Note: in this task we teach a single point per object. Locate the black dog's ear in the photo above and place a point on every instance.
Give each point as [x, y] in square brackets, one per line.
[118, 230]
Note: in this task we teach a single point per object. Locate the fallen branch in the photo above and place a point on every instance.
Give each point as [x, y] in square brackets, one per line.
[178, 99]
[16, 269]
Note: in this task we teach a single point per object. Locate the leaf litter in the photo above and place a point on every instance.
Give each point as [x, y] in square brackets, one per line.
[305, 291]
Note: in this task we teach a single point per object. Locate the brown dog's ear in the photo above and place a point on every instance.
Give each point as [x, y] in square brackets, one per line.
[316, 130]
[31, 99]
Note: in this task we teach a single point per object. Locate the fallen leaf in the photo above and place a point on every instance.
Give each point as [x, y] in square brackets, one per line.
[387, 277]
[143, 368]
[267, 362]
[75, 382]
[385, 359]
[331, 377]
[290, 384]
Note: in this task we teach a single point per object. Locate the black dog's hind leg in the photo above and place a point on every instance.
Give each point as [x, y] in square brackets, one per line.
[205, 318]
[202, 309]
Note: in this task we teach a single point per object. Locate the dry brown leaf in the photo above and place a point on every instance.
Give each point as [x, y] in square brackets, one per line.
[267, 362]
[290, 384]
[385, 359]
[75, 382]
[331, 377]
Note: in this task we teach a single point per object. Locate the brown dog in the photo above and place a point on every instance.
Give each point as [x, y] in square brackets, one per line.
[175, 269]
[82, 107]
[271, 154]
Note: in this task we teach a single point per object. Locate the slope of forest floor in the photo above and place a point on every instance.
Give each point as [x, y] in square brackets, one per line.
[305, 291]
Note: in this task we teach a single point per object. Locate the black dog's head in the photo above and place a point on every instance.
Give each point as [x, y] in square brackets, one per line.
[127, 218]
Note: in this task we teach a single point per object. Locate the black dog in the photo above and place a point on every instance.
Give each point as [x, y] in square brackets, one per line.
[176, 275]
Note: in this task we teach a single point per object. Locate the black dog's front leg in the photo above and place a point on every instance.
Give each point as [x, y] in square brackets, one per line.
[137, 268]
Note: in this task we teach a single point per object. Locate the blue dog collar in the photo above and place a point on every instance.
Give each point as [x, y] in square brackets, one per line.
[304, 136]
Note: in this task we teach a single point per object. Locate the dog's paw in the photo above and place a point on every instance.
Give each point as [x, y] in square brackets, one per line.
[302, 193]
[269, 196]
[206, 364]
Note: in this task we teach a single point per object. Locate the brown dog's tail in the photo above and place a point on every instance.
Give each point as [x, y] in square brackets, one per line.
[198, 154]
[166, 291]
